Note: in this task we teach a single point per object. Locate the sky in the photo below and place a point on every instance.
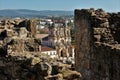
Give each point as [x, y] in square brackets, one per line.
[67, 5]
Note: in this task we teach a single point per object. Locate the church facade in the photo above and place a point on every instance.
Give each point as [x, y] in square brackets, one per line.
[60, 39]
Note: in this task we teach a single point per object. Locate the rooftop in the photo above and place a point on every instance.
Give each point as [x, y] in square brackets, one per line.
[45, 48]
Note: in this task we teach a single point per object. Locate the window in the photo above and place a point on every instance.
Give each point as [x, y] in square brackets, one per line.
[53, 53]
[50, 53]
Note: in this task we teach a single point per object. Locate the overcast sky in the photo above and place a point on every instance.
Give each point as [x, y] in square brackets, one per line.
[68, 5]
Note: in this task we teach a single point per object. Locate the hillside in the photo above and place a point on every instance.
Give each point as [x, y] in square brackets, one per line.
[33, 13]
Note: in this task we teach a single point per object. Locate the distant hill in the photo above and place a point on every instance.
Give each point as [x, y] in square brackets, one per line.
[33, 13]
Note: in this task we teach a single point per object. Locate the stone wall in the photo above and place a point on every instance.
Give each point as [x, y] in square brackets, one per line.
[30, 26]
[35, 68]
[83, 43]
[17, 37]
[21, 57]
[18, 47]
[105, 62]
[97, 52]
[114, 20]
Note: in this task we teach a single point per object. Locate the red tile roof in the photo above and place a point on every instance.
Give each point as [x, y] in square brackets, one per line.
[45, 48]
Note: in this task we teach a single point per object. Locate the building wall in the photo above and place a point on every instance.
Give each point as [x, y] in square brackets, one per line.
[105, 62]
[83, 45]
[52, 54]
[60, 39]
[97, 55]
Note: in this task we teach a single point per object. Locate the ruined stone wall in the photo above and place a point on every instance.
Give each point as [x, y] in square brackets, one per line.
[17, 37]
[97, 52]
[30, 25]
[105, 62]
[35, 68]
[32, 28]
[13, 68]
[83, 44]
[18, 47]
[114, 20]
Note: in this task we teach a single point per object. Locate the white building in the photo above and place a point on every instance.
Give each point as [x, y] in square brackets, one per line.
[49, 51]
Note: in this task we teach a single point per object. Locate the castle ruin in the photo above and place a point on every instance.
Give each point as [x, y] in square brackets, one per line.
[97, 44]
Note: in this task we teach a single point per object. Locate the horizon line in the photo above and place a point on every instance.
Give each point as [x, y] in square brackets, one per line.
[60, 9]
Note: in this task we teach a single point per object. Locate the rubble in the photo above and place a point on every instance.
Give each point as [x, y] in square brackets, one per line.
[20, 38]
[27, 69]
[21, 57]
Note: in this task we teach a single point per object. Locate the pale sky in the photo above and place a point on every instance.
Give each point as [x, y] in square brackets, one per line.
[68, 5]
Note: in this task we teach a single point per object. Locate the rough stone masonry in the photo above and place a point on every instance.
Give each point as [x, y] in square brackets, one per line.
[21, 57]
[97, 44]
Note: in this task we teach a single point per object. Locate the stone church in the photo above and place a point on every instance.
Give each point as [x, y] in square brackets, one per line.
[60, 39]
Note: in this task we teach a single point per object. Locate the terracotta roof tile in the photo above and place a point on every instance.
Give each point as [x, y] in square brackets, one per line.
[45, 48]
